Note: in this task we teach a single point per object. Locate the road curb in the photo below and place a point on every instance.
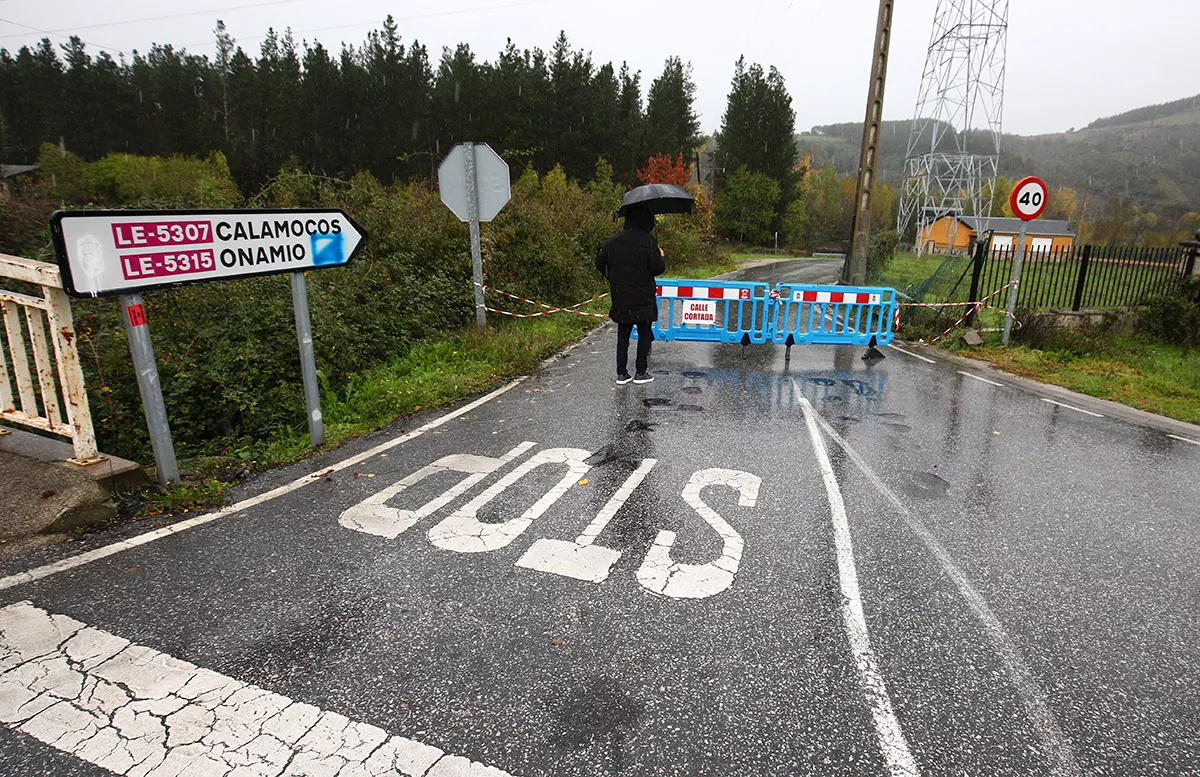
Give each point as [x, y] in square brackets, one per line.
[1106, 407]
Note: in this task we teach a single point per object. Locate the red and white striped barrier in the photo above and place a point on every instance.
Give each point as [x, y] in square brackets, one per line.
[702, 292]
[836, 297]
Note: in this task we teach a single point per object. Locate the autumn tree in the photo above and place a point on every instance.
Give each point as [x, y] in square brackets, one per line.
[660, 169]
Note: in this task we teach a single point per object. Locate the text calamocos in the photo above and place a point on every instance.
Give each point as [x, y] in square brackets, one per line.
[463, 532]
[114, 252]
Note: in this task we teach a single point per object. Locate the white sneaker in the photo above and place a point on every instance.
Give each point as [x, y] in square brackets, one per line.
[643, 377]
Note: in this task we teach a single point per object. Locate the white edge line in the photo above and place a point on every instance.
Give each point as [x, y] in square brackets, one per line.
[1057, 746]
[62, 565]
[1071, 407]
[976, 377]
[914, 355]
[1184, 439]
[896, 754]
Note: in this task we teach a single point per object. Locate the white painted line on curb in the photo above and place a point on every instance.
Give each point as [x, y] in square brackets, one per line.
[976, 377]
[1055, 743]
[1072, 407]
[1183, 439]
[135, 711]
[92, 555]
[914, 355]
[896, 754]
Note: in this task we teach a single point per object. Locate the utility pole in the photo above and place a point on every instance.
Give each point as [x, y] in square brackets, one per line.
[856, 269]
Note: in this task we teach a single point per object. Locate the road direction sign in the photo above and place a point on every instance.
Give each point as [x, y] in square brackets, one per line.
[1029, 198]
[124, 251]
[491, 181]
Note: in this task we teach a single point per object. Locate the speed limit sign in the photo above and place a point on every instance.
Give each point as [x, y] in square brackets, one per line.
[1029, 198]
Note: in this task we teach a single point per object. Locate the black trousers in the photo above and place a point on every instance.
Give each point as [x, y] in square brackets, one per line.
[645, 338]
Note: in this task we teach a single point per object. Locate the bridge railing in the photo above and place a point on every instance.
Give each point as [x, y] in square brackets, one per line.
[47, 394]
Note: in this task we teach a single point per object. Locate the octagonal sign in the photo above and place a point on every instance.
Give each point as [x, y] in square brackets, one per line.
[491, 180]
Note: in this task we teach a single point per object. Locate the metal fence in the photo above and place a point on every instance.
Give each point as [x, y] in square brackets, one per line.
[1077, 278]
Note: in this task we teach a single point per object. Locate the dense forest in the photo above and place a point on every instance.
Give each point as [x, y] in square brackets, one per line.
[383, 106]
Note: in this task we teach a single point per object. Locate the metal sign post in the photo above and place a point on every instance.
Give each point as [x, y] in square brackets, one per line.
[1018, 260]
[476, 250]
[1028, 201]
[473, 183]
[138, 331]
[308, 363]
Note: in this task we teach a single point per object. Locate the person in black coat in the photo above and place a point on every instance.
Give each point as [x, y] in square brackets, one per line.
[629, 260]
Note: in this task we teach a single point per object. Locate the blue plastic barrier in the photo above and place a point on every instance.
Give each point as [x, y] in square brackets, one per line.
[713, 311]
[794, 313]
[833, 315]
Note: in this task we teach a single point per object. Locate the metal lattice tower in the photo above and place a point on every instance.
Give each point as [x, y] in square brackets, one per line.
[954, 146]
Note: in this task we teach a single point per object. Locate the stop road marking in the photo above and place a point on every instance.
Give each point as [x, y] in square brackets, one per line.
[581, 559]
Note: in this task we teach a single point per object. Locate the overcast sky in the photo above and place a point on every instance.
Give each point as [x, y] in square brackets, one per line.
[1069, 61]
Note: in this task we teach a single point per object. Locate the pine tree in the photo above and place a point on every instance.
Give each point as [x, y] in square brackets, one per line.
[672, 127]
[758, 128]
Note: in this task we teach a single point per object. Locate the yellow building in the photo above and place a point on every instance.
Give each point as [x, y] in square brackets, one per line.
[957, 235]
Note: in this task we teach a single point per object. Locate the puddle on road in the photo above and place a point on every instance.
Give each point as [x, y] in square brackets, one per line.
[692, 408]
[926, 484]
[638, 425]
[693, 374]
[849, 419]
[656, 402]
[692, 390]
[897, 416]
[898, 427]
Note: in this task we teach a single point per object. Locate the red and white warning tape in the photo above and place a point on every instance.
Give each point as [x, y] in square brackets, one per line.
[972, 307]
[549, 309]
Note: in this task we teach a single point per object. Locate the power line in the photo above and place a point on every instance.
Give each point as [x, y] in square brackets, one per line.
[64, 37]
[151, 18]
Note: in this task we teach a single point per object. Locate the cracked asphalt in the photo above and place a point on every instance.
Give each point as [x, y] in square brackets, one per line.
[576, 578]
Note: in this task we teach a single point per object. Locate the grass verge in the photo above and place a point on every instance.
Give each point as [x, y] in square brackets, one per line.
[1155, 377]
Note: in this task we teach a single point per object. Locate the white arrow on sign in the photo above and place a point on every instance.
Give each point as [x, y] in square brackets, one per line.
[491, 181]
[128, 251]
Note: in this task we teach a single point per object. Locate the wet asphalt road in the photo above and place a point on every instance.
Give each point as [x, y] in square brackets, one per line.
[1027, 573]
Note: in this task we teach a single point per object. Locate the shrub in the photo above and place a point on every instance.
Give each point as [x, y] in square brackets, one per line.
[881, 252]
[1173, 318]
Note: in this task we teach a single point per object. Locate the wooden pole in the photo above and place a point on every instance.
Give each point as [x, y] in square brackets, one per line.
[856, 273]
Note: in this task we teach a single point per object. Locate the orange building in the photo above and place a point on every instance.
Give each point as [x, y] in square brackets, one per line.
[957, 235]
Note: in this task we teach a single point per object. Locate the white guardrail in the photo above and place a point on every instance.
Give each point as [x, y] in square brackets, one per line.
[59, 377]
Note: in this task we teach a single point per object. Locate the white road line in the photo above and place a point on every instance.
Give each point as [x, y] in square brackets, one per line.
[1184, 439]
[976, 377]
[108, 550]
[914, 355]
[1055, 744]
[896, 754]
[1072, 407]
[138, 712]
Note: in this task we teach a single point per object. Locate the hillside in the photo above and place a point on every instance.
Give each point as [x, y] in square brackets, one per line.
[1148, 157]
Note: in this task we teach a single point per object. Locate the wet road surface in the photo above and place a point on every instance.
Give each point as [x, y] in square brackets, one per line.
[747, 567]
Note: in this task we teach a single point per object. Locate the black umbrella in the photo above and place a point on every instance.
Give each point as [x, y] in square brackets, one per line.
[657, 198]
